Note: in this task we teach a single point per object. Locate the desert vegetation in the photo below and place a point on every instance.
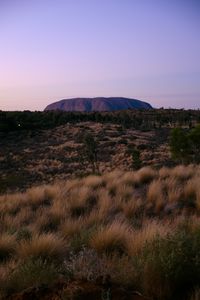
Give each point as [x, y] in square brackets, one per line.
[30, 158]
[135, 232]
[41, 147]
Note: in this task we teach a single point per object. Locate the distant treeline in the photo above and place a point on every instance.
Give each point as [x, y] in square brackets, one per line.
[138, 119]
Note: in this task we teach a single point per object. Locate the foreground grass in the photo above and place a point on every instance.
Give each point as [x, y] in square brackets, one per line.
[142, 229]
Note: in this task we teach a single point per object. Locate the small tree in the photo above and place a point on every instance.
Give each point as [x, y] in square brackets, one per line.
[194, 142]
[136, 161]
[179, 145]
[90, 150]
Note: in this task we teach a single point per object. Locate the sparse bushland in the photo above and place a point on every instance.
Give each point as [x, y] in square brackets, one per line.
[41, 147]
[137, 230]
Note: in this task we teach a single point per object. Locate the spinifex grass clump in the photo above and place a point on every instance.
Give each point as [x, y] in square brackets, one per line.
[139, 229]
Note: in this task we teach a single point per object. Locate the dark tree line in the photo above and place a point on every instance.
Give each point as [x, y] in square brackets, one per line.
[138, 119]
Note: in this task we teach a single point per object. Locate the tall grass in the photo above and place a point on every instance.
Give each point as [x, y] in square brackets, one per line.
[141, 229]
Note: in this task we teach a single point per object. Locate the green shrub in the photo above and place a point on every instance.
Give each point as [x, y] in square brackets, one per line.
[32, 273]
[171, 265]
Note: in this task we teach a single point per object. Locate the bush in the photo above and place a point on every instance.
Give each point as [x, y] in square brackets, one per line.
[7, 246]
[32, 273]
[136, 161]
[185, 145]
[45, 246]
[170, 265]
[24, 234]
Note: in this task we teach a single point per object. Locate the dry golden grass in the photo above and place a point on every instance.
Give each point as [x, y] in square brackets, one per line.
[183, 172]
[113, 237]
[155, 195]
[46, 246]
[94, 182]
[71, 227]
[132, 208]
[147, 233]
[114, 216]
[145, 175]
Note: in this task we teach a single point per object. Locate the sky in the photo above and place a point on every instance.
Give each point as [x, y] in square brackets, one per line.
[58, 49]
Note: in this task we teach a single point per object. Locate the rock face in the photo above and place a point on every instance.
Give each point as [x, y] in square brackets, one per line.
[98, 104]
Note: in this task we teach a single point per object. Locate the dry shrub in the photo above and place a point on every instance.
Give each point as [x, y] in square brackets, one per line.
[65, 188]
[105, 203]
[132, 208]
[164, 172]
[60, 207]
[173, 189]
[147, 233]
[94, 182]
[38, 196]
[85, 265]
[71, 227]
[11, 204]
[183, 172]
[47, 220]
[45, 246]
[88, 265]
[123, 193]
[80, 200]
[7, 246]
[128, 178]
[175, 194]
[192, 192]
[112, 176]
[112, 237]
[23, 218]
[145, 175]
[155, 195]
[95, 217]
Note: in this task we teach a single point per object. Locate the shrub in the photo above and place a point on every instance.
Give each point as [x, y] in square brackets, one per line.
[7, 246]
[136, 161]
[24, 234]
[145, 175]
[85, 265]
[45, 246]
[113, 237]
[32, 273]
[170, 265]
[81, 239]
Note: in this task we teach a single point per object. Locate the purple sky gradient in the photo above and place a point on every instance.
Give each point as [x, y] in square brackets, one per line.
[144, 49]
